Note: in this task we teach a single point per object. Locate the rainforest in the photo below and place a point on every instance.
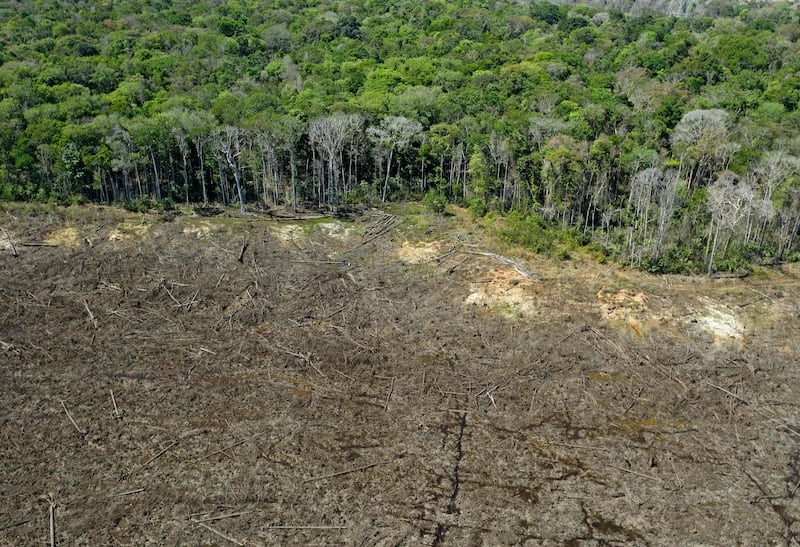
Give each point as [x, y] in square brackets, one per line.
[662, 136]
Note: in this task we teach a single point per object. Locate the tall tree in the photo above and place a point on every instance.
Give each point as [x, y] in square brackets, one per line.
[329, 134]
[728, 198]
[705, 144]
[393, 133]
[231, 144]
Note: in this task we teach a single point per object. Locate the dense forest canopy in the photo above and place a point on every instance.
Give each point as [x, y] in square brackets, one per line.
[668, 138]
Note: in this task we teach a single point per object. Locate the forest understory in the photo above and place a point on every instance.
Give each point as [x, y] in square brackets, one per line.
[394, 377]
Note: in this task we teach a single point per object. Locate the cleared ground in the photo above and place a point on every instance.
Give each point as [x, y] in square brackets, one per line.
[395, 378]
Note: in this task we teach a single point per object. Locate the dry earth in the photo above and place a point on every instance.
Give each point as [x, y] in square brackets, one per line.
[391, 379]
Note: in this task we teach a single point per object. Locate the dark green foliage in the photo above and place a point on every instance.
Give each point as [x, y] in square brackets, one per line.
[138, 205]
[477, 207]
[435, 201]
[675, 260]
[736, 52]
[530, 232]
[547, 12]
[551, 109]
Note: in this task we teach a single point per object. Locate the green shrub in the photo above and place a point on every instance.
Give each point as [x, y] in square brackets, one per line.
[477, 207]
[527, 231]
[674, 260]
[598, 251]
[137, 205]
[435, 201]
[75, 199]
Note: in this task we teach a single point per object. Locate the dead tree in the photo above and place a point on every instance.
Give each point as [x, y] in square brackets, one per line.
[231, 139]
[328, 135]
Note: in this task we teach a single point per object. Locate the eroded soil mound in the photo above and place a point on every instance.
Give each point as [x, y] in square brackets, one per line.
[392, 379]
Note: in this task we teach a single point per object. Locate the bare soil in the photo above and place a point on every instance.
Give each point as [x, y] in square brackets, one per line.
[388, 379]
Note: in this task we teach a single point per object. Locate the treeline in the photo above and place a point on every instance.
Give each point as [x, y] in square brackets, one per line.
[670, 141]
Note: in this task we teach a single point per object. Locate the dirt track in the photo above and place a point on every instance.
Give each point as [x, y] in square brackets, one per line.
[381, 381]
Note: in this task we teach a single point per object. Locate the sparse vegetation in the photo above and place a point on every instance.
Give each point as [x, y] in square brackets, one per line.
[420, 378]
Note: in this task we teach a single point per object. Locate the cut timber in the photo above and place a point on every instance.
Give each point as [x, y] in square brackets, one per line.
[10, 242]
[217, 532]
[507, 261]
[298, 218]
[244, 248]
[379, 228]
[738, 274]
[348, 471]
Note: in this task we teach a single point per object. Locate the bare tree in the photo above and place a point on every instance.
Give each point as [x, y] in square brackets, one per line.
[790, 219]
[642, 188]
[501, 153]
[287, 131]
[231, 140]
[541, 129]
[643, 92]
[769, 174]
[393, 133]
[653, 197]
[667, 198]
[328, 134]
[275, 137]
[773, 168]
[264, 159]
[728, 198]
[121, 144]
[182, 123]
[680, 8]
[201, 128]
[546, 103]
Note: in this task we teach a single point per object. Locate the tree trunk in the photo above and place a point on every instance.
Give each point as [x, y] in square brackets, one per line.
[156, 181]
[198, 144]
[713, 251]
[293, 169]
[237, 177]
[388, 172]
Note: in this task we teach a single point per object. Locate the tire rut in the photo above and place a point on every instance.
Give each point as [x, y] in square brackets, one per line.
[452, 506]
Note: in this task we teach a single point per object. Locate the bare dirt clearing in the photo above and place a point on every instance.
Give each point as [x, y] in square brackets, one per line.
[380, 381]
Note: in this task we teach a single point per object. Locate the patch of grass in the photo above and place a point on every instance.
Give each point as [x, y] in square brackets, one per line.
[138, 205]
[506, 311]
[602, 377]
[529, 232]
[535, 234]
[417, 223]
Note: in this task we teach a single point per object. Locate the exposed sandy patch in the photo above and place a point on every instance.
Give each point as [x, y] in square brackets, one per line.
[199, 231]
[638, 312]
[5, 242]
[127, 231]
[417, 253]
[505, 288]
[720, 323]
[335, 229]
[621, 304]
[67, 237]
[628, 306]
[288, 233]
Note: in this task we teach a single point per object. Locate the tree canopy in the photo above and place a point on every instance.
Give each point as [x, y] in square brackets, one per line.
[622, 128]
